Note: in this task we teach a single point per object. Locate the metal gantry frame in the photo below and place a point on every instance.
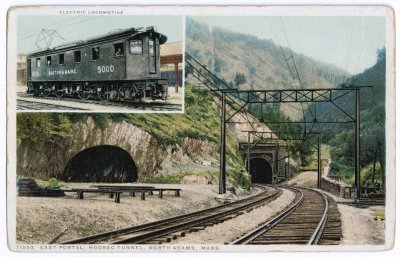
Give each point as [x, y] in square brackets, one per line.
[245, 97]
[283, 137]
[328, 95]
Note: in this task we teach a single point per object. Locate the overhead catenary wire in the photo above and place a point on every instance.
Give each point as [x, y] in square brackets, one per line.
[298, 78]
[213, 67]
[67, 25]
[209, 73]
[294, 64]
[36, 30]
[362, 46]
[302, 143]
[295, 75]
[348, 50]
[314, 115]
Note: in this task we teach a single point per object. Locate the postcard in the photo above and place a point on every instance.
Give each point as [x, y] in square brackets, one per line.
[200, 128]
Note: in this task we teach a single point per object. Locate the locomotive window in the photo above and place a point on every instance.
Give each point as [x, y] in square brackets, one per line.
[95, 53]
[77, 56]
[48, 60]
[38, 62]
[119, 49]
[136, 46]
[61, 58]
[151, 47]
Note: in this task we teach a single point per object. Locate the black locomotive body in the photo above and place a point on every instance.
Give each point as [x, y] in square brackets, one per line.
[121, 65]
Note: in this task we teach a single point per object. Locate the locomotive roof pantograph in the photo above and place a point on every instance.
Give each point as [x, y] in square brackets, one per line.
[122, 65]
[110, 36]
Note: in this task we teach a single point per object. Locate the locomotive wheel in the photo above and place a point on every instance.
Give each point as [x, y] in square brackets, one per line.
[84, 95]
[113, 95]
[102, 97]
[138, 97]
[45, 92]
[59, 93]
[164, 96]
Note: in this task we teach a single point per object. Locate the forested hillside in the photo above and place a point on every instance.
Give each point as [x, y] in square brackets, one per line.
[200, 121]
[248, 62]
[341, 138]
[260, 61]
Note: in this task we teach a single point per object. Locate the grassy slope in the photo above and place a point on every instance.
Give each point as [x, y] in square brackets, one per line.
[200, 121]
[261, 61]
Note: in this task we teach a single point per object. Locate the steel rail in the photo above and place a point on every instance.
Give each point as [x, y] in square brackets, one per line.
[270, 224]
[134, 229]
[128, 104]
[193, 223]
[321, 225]
[315, 237]
[23, 104]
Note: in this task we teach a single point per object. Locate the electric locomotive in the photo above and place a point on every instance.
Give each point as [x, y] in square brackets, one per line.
[121, 65]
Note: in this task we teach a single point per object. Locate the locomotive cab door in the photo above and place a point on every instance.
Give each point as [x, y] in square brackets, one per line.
[28, 69]
[152, 56]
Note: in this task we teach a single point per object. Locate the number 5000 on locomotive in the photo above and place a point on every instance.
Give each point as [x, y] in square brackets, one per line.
[122, 65]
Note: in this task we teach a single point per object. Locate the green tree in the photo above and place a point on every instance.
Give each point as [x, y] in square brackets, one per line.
[372, 127]
[33, 127]
[36, 128]
[239, 79]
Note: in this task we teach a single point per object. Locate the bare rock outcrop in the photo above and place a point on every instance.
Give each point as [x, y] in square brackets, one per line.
[49, 159]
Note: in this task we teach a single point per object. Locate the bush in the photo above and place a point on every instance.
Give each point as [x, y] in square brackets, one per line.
[173, 178]
[367, 172]
[239, 178]
[53, 182]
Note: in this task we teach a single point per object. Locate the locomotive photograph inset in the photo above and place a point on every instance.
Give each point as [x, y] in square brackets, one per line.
[109, 67]
[116, 69]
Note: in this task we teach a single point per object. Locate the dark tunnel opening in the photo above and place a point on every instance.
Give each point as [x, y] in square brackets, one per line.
[103, 163]
[260, 171]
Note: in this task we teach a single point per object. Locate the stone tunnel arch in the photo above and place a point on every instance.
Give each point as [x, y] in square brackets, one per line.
[103, 163]
[260, 171]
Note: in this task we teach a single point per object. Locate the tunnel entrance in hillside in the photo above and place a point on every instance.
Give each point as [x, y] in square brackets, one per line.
[103, 163]
[260, 171]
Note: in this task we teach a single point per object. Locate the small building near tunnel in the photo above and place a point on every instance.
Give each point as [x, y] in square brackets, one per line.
[268, 162]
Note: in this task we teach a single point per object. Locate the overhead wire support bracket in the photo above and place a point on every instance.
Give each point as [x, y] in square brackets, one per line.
[244, 97]
[293, 95]
[294, 122]
[283, 137]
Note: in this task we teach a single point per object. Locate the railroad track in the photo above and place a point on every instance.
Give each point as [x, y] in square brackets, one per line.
[312, 218]
[136, 105]
[30, 105]
[169, 229]
[364, 202]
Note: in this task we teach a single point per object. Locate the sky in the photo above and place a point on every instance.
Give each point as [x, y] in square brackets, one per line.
[348, 42]
[73, 28]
